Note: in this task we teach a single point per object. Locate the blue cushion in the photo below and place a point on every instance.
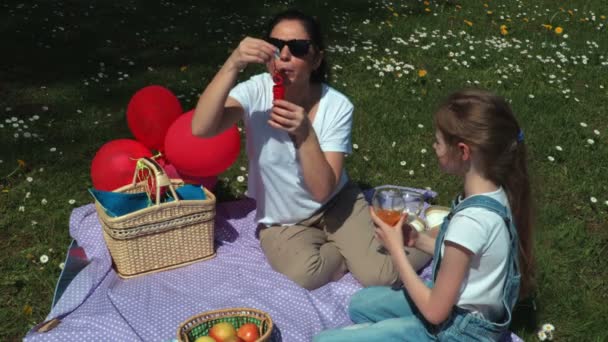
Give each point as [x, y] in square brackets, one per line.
[118, 203]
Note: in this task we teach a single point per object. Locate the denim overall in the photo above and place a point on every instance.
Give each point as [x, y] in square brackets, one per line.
[386, 314]
[463, 325]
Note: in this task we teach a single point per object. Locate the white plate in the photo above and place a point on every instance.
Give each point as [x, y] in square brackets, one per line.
[435, 214]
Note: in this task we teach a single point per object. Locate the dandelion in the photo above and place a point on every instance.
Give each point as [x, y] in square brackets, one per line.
[427, 10]
[551, 159]
[559, 30]
[593, 199]
[469, 23]
[503, 30]
[21, 163]
[27, 310]
[422, 73]
[403, 163]
[72, 201]
[44, 258]
[240, 179]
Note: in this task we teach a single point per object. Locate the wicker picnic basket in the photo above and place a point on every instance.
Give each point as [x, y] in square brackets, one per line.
[163, 236]
[199, 325]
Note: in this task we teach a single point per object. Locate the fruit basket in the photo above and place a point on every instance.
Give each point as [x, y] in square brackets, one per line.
[199, 325]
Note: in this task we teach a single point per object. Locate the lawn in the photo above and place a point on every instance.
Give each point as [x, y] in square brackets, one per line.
[69, 68]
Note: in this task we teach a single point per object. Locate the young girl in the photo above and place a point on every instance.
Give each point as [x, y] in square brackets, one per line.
[480, 257]
[315, 223]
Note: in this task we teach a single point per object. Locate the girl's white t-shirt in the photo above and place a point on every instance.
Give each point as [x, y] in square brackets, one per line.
[275, 177]
[486, 235]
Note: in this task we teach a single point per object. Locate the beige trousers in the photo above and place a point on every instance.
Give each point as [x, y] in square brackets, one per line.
[340, 235]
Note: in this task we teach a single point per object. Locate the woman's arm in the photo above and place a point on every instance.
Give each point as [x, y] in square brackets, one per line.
[321, 170]
[215, 112]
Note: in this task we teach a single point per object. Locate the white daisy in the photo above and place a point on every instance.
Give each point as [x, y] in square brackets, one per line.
[44, 258]
[593, 199]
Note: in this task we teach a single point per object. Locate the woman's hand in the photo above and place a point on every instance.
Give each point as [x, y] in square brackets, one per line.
[251, 50]
[290, 118]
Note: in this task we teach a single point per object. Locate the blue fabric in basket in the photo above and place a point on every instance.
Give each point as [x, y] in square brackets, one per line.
[118, 203]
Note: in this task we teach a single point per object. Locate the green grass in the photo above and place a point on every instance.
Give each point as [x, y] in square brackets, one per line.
[54, 51]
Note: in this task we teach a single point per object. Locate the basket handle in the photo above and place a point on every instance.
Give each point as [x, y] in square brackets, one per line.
[160, 178]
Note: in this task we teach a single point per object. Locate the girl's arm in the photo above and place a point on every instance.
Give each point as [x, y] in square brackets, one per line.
[435, 304]
[215, 112]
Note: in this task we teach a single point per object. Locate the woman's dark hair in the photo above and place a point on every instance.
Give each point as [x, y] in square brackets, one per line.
[312, 27]
[487, 123]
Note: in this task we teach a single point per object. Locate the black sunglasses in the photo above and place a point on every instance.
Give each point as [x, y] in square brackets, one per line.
[297, 47]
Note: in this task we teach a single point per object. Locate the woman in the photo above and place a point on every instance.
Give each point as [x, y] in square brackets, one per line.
[314, 224]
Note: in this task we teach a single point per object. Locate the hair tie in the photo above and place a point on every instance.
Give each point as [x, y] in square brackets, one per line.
[520, 136]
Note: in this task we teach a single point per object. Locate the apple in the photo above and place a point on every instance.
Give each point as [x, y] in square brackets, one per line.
[204, 339]
[248, 332]
[221, 332]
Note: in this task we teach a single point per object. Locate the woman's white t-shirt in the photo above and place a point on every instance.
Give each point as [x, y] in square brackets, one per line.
[486, 235]
[275, 178]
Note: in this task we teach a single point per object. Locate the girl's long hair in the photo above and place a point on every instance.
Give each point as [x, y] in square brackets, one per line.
[486, 122]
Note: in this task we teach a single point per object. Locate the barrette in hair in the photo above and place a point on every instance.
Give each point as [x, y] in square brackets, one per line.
[520, 136]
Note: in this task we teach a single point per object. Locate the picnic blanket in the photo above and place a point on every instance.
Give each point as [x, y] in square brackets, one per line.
[99, 305]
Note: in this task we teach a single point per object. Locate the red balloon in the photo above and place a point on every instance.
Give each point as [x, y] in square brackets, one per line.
[208, 182]
[114, 163]
[200, 157]
[150, 113]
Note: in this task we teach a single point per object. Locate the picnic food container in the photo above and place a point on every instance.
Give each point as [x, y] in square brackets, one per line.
[418, 224]
[435, 214]
[199, 325]
[164, 235]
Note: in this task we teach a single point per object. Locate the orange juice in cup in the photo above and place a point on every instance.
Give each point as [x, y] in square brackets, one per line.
[390, 217]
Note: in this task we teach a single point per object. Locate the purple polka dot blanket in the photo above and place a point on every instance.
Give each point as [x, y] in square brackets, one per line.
[100, 306]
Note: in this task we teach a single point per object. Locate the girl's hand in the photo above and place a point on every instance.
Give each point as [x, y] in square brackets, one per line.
[251, 50]
[410, 235]
[290, 118]
[391, 237]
